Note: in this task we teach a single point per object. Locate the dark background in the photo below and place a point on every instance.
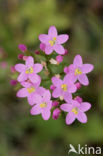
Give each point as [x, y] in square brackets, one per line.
[21, 21]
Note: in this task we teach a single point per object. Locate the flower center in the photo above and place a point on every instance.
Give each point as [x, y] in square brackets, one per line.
[78, 71]
[64, 87]
[31, 90]
[42, 105]
[29, 71]
[53, 41]
[75, 110]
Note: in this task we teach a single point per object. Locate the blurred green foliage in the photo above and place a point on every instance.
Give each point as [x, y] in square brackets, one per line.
[21, 21]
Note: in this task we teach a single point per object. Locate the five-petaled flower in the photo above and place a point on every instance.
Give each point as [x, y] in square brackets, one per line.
[78, 70]
[43, 105]
[30, 90]
[64, 87]
[53, 41]
[75, 110]
[29, 70]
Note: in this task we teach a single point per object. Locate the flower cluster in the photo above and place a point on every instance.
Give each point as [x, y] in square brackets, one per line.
[59, 95]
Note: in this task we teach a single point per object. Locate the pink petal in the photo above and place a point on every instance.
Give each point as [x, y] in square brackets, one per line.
[37, 68]
[70, 118]
[22, 77]
[82, 117]
[62, 39]
[48, 50]
[83, 79]
[22, 93]
[77, 60]
[75, 103]
[37, 99]
[25, 84]
[34, 78]
[52, 32]
[29, 61]
[41, 90]
[69, 78]
[56, 93]
[35, 110]
[59, 49]
[72, 88]
[46, 114]
[20, 67]
[49, 106]
[86, 68]
[30, 99]
[47, 96]
[66, 107]
[56, 81]
[85, 106]
[67, 97]
[44, 38]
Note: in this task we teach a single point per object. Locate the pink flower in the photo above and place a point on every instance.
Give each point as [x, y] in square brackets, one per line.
[22, 47]
[56, 113]
[43, 105]
[79, 70]
[75, 111]
[59, 58]
[66, 52]
[29, 70]
[53, 41]
[37, 52]
[30, 90]
[63, 87]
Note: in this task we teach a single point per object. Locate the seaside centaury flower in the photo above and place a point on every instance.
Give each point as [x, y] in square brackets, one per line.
[64, 87]
[79, 70]
[75, 110]
[43, 105]
[53, 41]
[30, 90]
[29, 70]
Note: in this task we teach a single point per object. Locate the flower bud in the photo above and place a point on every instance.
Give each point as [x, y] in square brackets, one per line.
[66, 70]
[78, 99]
[52, 87]
[56, 113]
[78, 85]
[55, 103]
[37, 52]
[22, 47]
[42, 46]
[20, 56]
[12, 68]
[66, 52]
[13, 82]
[59, 58]
[25, 58]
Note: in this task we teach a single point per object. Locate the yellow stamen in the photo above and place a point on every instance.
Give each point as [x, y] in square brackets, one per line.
[54, 38]
[64, 87]
[31, 90]
[30, 70]
[78, 71]
[75, 110]
[52, 42]
[42, 105]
